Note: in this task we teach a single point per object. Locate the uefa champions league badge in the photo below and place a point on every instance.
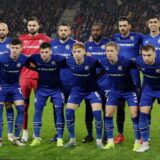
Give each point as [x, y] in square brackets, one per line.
[18, 65]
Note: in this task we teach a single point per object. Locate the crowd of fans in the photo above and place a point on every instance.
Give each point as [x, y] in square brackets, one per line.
[107, 13]
[15, 14]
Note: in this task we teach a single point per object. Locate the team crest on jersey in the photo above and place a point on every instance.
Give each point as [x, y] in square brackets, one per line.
[86, 68]
[90, 47]
[18, 65]
[158, 70]
[40, 41]
[120, 68]
[146, 42]
[7, 46]
[103, 47]
[107, 69]
[53, 62]
[6, 65]
[67, 47]
[143, 69]
[131, 38]
[55, 47]
[159, 41]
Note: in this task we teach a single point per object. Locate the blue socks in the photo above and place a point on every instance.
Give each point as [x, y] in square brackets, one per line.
[59, 120]
[10, 119]
[70, 122]
[19, 120]
[144, 126]
[109, 127]
[136, 127]
[98, 120]
[1, 120]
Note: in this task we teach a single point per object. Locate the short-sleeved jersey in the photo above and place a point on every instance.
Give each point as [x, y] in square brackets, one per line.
[31, 45]
[48, 72]
[64, 49]
[10, 69]
[84, 75]
[119, 73]
[155, 41]
[151, 73]
[4, 46]
[130, 45]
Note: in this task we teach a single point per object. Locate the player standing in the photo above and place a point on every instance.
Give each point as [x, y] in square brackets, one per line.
[28, 80]
[129, 43]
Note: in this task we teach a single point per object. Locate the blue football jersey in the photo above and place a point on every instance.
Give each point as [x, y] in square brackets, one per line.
[151, 73]
[84, 75]
[119, 73]
[10, 69]
[48, 72]
[4, 46]
[65, 50]
[130, 45]
[155, 41]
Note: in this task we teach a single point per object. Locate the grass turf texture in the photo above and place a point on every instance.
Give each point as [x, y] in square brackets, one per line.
[49, 151]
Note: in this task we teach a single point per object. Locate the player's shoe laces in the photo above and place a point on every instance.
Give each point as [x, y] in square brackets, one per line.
[35, 142]
[99, 144]
[136, 146]
[10, 137]
[109, 145]
[18, 142]
[87, 139]
[24, 136]
[54, 139]
[119, 139]
[143, 148]
[59, 142]
[0, 143]
[70, 144]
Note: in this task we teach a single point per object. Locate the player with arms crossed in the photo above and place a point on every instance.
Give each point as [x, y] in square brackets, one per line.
[28, 81]
[83, 69]
[122, 87]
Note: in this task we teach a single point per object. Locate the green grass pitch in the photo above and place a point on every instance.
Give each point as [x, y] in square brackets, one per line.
[49, 151]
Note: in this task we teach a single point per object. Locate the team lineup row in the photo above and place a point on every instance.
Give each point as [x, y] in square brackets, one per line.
[129, 46]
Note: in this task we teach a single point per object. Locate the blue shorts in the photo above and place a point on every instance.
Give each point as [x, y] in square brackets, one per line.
[42, 94]
[77, 96]
[114, 97]
[148, 96]
[10, 94]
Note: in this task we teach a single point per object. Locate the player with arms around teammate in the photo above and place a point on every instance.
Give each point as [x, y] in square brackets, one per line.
[4, 48]
[48, 66]
[28, 81]
[122, 87]
[96, 47]
[63, 46]
[129, 47]
[11, 64]
[83, 69]
[149, 64]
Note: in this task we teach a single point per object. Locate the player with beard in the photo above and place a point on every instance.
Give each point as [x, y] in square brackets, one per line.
[31, 44]
[4, 48]
[63, 46]
[96, 47]
[129, 43]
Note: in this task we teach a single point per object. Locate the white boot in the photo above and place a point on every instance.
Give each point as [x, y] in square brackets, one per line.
[25, 136]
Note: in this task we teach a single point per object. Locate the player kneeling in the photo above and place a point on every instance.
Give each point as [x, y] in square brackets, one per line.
[48, 66]
[83, 69]
[122, 87]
